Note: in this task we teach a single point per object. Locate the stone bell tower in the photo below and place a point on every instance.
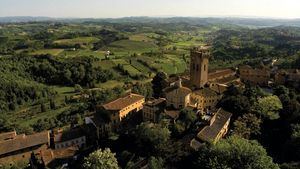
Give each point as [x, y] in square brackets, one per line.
[199, 66]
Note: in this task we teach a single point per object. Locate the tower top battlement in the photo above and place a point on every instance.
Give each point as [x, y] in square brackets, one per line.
[201, 51]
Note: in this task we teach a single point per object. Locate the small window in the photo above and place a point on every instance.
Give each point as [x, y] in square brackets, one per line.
[204, 67]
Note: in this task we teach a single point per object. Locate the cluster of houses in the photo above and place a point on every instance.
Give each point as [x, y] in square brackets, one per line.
[47, 145]
[265, 76]
[200, 92]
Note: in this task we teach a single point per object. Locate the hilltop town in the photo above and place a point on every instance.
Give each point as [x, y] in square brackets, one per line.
[196, 96]
[155, 95]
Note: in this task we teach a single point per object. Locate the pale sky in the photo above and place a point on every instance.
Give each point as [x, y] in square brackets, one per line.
[124, 8]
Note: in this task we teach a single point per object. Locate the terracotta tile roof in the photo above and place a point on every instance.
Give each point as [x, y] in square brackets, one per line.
[49, 155]
[227, 80]
[7, 135]
[205, 92]
[174, 114]
[24, 142]
[254, 71]
[183, 91]
[220, 73]
[245, 67]
[68, 135]
[123, 102]
[219, 88]
[155, 102]
[173, 79]
[210, 133]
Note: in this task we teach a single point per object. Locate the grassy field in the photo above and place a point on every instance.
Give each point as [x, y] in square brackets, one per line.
[80, 40]
[140, 37]
[131, 46]
[131, 70]
[140, 66]
[110, 84]
[54, 52]
[83, 52]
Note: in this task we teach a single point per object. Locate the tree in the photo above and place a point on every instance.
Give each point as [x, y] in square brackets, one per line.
[151, 136]
[101, 159]
[247, 125]
[77, 88]
[238, 105]
[159, 83]
[188, 117]
[280, 90]
[156, 163]
[43, 107]
[52, 104]
[143, 89]
[291, 111]
[233, 153]
[268, 107]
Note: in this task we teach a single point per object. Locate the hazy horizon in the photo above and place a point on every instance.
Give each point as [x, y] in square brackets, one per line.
[155, 8]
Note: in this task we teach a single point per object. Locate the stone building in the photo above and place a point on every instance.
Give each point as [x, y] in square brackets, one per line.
[153, 108]
[217, 128]
[123, 106]
[255, 76]
[205, 99]
[223, 76]
[108, 117]
[73, 137]
[15, 148]
[199, 66]
[177, 96]
[288, 77]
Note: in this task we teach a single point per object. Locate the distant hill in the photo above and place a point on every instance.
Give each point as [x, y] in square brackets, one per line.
[249, 22]
[18, 19]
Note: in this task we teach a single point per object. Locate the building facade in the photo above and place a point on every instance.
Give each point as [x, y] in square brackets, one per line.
[177, 96]
[255, 76]
[217, 128]
[205, 99]
[121, 107]
[73, 137]
[108, 117]
[153, 108]
[17, 148]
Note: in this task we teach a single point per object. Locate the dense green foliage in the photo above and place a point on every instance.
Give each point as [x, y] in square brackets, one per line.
[151, 136]
[101, 159]
[234, 153]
